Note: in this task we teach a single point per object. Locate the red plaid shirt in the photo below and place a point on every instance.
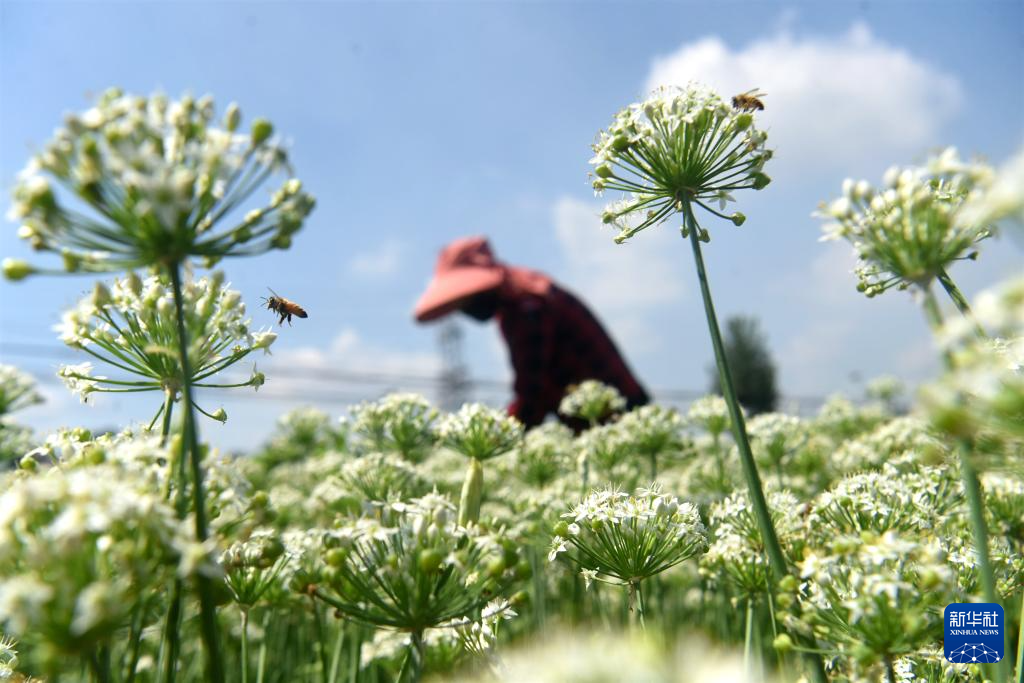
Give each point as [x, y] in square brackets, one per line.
[554, 342]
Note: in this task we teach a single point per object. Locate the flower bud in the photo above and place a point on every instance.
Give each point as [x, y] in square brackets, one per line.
[263, 340]
[134, 283]
[782, 643]
[220, 415]
[429, 561]
[261, 130]
[760, 181]
[72, 261]
[604, 171]
[738, 219]
[620, 143]
[232, 117]
[16, 269]
[100, 295]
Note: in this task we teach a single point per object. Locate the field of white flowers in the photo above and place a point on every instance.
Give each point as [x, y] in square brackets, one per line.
[401, 543]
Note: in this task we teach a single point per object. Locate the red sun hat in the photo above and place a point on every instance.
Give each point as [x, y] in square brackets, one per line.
[465, 267]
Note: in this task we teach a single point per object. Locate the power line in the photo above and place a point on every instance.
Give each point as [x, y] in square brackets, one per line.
[394, 380]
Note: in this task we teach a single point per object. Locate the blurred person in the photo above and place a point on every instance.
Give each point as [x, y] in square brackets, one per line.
[554, 341]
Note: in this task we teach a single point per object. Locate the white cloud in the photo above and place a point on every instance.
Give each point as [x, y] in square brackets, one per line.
[832, 102]
[349, 352]
[625, 283]
[381, 261]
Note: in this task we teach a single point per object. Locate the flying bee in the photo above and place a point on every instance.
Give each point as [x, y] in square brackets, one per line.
[284, 308]
[749, 100]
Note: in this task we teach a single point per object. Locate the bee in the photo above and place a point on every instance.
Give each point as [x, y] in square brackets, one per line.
[749, 100]
[284, 308]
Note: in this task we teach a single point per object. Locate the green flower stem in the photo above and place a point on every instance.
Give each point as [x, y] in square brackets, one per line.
[165, 426]
[245, 643]
[890, 673]
[640, 606]
[99, 662]
[190, 442]
[776, 559]
[412, 667]
[261, 659]
[339, 643]
[1020, 644]
[472, 493]
[196, 406]
[972, 487]
[748, 640]
[960, 301]
[321, 644]
[135, 640]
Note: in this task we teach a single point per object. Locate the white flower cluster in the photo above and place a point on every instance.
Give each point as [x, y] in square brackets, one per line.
[984, 390]
[79, 546]
[710, 413]
[17, 390]
[877, 596]
[544, 454]
[908, 233]
[653, 430]
[776, 436]
[479, 432]
[400, 423]
[592, 401]
[677, 146]
[161, 175]
[252, 566]
[630, 538]
[1002, 198]
[364, 484]
[918, 501]
[415, 567]
[891, 442]
[133, 326]
[737, 551]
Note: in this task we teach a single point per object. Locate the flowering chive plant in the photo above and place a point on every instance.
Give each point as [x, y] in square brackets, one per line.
[679, 146]
[417, 569]
[877, 597]
[592, 401]
[17, 390]
[132, 326]
[908, 234]
[78, 550]
[653, 432]
[138, 181]
[399, 423]
[629, 538]
[479, 433]
[983, 391]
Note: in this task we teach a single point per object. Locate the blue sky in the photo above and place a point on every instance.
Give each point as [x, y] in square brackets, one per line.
[415, 123]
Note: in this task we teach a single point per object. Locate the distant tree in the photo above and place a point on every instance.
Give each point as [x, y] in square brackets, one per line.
[751, 364]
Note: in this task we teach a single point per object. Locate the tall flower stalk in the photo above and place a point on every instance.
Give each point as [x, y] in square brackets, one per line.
[907, 236]
[479, 433]
[140, 182]
[684, 148]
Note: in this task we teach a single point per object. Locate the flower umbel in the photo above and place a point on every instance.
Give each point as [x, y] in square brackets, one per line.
[908, 233]
[132, 326]
[680, 145]
[630, 538]
[154, 181]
